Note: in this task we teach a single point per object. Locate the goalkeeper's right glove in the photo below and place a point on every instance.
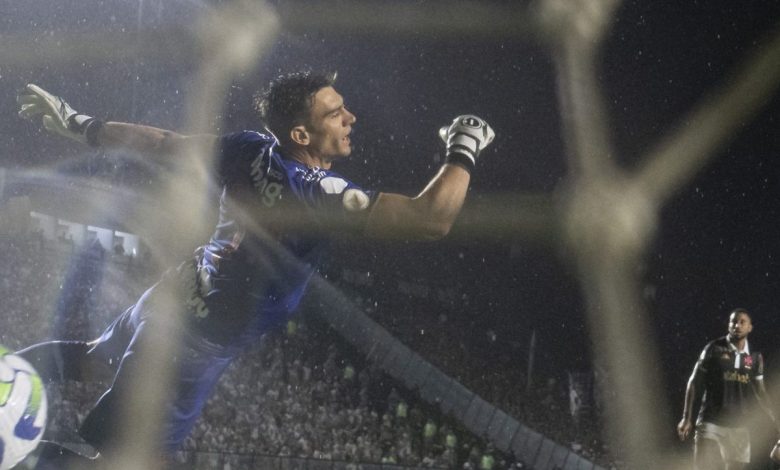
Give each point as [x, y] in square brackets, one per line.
[57, 115]
[466, 137]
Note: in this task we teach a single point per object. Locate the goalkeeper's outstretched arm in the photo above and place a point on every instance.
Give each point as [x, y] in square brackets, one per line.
[59, 117]
[431, 214]
[148, 140]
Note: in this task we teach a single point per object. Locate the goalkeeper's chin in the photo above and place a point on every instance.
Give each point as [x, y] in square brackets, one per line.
[345, 147]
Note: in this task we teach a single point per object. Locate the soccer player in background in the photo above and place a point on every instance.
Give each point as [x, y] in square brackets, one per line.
[726, 374]
[251, 274]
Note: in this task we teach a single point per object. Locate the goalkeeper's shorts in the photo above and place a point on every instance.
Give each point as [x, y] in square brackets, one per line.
[199, 365]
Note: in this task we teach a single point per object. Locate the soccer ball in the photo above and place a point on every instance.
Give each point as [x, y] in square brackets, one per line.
[22, 409]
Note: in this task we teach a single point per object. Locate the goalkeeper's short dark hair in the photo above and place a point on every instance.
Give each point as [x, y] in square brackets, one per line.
[287, 100]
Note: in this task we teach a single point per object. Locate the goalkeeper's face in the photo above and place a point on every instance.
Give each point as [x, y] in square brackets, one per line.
[329, 126]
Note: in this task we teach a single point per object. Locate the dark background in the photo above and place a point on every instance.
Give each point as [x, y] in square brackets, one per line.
[716, 247]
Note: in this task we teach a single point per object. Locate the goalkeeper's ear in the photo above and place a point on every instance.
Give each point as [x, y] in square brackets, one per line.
[299, 135]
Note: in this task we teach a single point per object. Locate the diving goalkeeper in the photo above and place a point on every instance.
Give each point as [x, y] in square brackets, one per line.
[251, 274]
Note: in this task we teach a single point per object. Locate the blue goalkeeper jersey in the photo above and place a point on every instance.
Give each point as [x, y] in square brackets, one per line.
[276, 216]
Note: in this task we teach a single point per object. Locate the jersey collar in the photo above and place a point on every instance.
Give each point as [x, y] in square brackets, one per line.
[745, 350]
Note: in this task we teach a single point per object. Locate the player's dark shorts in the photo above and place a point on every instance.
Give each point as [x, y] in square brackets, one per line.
[198, 364]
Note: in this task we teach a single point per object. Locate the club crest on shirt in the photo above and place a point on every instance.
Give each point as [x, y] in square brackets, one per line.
[310, 174]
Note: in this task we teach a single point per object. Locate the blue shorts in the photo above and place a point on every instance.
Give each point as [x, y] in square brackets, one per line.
[198, 365]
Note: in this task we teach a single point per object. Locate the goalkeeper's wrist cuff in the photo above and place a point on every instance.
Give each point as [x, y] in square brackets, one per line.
[86, 126]
[460, 159]
[91, 132]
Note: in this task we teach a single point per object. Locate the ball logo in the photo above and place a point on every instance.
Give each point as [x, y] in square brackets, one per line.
[470, 121]
[22, 409]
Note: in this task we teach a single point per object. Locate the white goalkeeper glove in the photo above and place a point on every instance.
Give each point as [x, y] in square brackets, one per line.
[57, 115]
[465, 138]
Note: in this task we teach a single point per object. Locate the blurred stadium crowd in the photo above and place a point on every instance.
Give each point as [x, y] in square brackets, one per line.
[302, 394]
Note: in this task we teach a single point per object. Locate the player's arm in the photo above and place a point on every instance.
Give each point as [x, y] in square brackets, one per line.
[765, 402]
[693, 392]
[762, 396]
[430, 214]
[147, 140]
[60, 118]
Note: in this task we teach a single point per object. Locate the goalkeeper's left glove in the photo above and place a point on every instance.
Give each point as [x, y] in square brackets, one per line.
[57, 115]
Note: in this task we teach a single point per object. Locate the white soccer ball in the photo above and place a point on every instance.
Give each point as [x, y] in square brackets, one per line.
[22, 409]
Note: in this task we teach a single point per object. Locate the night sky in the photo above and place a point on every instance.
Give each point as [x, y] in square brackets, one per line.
[716, 248]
